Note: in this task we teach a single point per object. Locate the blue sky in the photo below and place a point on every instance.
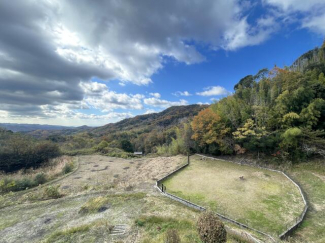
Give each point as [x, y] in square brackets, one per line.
[101, 62]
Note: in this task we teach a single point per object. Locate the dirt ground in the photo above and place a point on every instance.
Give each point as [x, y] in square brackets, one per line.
[116, 174]
[128, 186]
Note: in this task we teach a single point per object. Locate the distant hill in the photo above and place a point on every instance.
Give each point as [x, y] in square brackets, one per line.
[169, 117]
[16, 127]
[43, 133]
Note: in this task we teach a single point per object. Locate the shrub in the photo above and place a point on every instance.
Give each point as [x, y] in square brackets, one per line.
[94, 205]
[67, 168]
[23, 184]
[103, 144]
[40, 178]
[7, 185]
[172, 236]
[139, 222]
[211, 229]
[52, 192]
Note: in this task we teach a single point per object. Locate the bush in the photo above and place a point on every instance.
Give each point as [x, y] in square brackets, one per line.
[40, 178]
[139, 222]
[7, 185]
[94, 205]
[52, 192]
[103, 144]
[211, 229]
[67, 168]
[172, 236]
[23, 184]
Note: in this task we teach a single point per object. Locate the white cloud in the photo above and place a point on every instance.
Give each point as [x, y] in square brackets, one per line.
[155, 102]
[49, 47]
[311, 13]
[213, 91]
[296, 5]
[244, 34]
[214, 99]
[149, 111]
[316, 24]
[180, 93]
[98, 96]
[156, 95]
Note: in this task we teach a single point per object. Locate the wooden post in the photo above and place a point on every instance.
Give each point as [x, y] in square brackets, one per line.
[188, 159]
[162, 187]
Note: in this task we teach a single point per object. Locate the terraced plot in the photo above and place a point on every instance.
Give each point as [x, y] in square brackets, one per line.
[259, 198]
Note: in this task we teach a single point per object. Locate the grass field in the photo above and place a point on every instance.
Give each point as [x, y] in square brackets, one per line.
[124, 188]
[311, 177]
[263, 199]
[102, 193]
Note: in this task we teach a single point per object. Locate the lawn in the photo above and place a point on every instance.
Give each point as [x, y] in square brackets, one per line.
[262, 199]
[311, 177]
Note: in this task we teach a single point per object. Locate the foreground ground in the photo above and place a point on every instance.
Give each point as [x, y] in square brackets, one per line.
[259, 198]
[106, 192]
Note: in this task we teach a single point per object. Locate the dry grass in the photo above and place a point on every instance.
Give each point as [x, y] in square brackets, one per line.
[60, 220]
[262, 199]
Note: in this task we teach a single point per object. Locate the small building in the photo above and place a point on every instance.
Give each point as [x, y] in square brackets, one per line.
[138, 153]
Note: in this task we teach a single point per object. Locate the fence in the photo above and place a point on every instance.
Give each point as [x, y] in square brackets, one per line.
[297, 221]
[289, 229]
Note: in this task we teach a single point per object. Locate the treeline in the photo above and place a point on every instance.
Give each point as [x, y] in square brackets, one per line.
[278, 112]
[19, 151]
[144, 133]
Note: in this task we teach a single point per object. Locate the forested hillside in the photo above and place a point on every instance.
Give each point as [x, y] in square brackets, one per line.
[19, 151]
[141, 133]
[280, 112]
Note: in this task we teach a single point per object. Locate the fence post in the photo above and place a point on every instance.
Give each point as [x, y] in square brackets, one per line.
[188, 159]
[162, 187]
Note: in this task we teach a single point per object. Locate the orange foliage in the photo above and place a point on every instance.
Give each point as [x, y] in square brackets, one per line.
[205, 127]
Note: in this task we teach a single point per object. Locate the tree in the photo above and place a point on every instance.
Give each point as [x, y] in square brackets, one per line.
[127, 146]
[209, 130]
[251, 136]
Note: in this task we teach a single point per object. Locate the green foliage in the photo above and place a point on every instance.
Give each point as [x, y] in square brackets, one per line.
[126, 146]
[100, 147]
[211, 229]
[178, 145]
[93, 205]
[18, 151]
[67, 168]
[13, 185]
[51, 192]
[266, 113]
[40, 178]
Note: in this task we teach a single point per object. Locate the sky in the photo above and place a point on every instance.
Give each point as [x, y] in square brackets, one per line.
[85, 62]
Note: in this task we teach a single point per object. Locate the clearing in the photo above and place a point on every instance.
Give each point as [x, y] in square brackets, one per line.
[259, 198]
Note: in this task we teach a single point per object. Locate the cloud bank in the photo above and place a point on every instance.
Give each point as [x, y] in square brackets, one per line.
[50, 49]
